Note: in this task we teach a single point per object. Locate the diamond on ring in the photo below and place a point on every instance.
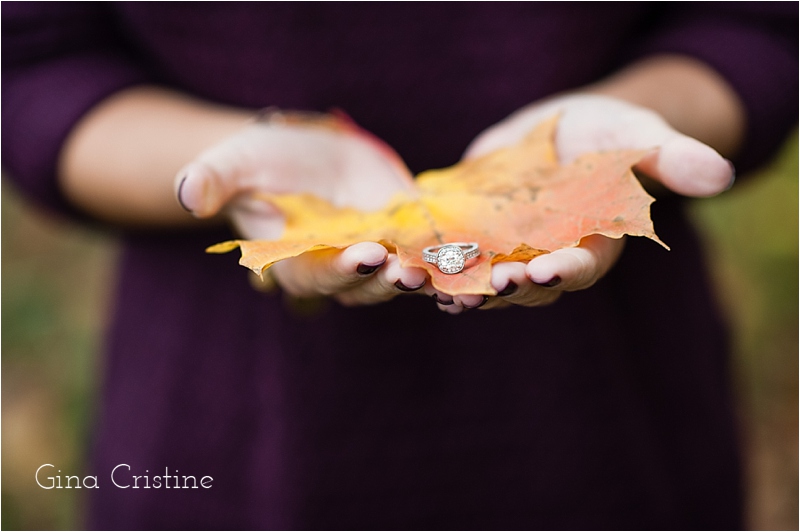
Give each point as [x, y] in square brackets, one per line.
[451, 258]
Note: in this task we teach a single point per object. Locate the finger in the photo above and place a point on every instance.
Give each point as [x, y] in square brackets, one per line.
[389, 281]
[689, 167]
[575, 268]
[470, 301]
[591, 123]
[446, 303]
[328, 272]
[256, 158]
[202, 190]
[443, 301]
[453, 310]
[682, 164]
[246, 162]
[506, 276]
[513, 286]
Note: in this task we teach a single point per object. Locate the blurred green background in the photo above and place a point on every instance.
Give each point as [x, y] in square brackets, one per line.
[57, 281]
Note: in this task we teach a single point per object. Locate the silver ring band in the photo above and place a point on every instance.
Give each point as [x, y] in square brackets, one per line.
[451, 258]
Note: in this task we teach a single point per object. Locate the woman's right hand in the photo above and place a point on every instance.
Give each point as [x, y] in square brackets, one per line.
[319, 154]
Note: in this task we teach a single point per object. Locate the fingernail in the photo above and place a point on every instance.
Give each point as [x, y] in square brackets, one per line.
[436, 298]
[366, 269]
[733, 175]
[403, 288]
[180, 199]
[510, 288]
[555, 281]
[479, 305]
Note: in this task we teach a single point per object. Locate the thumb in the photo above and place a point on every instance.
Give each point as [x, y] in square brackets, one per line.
[219, 174]
[681, 163]
[688, 167]
[592, 122]
[202, 191]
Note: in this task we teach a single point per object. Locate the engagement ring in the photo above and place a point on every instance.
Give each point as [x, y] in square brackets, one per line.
[451, 258]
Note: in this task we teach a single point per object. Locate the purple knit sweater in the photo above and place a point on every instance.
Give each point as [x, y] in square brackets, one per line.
[608, 409]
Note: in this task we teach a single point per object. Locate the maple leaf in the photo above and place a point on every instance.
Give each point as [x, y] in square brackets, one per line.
[517, 203]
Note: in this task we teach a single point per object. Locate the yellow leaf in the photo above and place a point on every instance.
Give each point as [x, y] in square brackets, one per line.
[516, 203]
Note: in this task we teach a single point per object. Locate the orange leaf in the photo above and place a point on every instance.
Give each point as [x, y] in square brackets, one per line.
[516, 203]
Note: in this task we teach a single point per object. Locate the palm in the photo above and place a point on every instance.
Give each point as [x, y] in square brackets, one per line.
[590, 123]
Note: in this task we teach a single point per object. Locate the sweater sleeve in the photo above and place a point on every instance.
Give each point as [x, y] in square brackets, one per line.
[753, 45]
[59, 59]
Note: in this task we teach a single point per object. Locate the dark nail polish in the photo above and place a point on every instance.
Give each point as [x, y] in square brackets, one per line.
[555, 281]
[510, 288]
[445, 303]
[366, 269]
[403, 288]
[180, 199]
[479, 305]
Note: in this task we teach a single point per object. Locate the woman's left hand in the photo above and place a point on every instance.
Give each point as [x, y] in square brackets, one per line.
[591, 123]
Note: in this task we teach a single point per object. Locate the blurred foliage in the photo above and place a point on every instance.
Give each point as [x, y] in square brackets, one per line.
[57, 280]
[751, 234]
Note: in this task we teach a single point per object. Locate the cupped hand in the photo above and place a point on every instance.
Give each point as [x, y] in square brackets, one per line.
[323, 155]
[591, 123]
